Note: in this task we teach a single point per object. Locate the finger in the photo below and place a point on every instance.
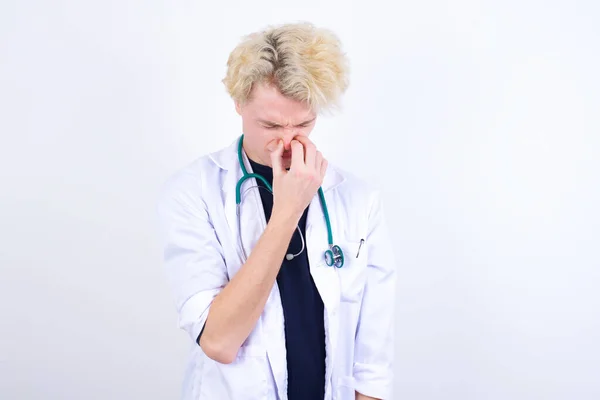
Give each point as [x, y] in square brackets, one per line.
[318, 161]
[310, 154]
[276, 158]
[324, 165]
[310, 150]
[297, 154]
[304, 140]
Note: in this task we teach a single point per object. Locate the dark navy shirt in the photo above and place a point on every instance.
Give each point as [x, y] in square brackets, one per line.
[302, 311]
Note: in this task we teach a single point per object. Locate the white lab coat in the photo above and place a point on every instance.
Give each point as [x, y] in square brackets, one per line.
[201, 253]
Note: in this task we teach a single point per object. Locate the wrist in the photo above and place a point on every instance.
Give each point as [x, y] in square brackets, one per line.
[284, 219]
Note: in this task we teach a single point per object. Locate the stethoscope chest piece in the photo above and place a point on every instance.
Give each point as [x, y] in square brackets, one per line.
[334, 257]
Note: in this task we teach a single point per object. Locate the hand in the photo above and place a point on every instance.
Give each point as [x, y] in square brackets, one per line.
[293, 190]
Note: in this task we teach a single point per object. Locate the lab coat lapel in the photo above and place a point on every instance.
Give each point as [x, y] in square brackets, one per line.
[316, 243]
[325, 277]
[253, 223]
[252, 217]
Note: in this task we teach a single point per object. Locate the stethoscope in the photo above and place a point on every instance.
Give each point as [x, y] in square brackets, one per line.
[333, 256]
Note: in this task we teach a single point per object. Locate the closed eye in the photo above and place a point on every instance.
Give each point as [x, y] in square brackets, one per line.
[275, 126]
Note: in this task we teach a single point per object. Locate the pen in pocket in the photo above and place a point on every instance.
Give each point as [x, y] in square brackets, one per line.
[359, 246]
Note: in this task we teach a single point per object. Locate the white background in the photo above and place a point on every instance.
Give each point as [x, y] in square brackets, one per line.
[478, 120]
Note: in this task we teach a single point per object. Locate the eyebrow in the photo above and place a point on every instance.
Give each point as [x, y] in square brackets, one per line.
[270, 123]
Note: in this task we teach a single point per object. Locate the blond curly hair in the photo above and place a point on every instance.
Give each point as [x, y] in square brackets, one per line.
[305, 63]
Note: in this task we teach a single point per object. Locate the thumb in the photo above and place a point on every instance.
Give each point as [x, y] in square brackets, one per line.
[276, 158]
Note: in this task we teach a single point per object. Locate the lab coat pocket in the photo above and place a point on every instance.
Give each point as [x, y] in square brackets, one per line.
[345, 389]
[353, 274]
[244, 379]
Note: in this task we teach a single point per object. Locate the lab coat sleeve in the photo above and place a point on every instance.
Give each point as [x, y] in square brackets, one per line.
[192, 254]
[374, 343]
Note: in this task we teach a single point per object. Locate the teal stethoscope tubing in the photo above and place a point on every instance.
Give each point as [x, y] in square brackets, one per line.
[334, 255]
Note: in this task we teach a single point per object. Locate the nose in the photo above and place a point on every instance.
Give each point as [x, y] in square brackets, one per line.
[288, 135]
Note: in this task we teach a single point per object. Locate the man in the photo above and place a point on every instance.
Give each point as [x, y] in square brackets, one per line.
[290, 294]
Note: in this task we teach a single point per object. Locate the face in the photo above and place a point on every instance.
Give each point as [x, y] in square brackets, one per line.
[268, 117]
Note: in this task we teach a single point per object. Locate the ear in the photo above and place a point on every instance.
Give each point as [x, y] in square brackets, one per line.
[238, 107]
